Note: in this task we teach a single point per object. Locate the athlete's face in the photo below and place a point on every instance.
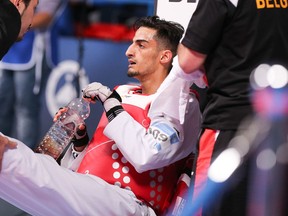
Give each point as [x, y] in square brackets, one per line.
[27, 14]
[143, 54]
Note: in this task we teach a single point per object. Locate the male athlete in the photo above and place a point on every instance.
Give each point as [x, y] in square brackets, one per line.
[138, 151]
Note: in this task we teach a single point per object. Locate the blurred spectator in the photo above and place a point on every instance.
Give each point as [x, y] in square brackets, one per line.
[24, 71]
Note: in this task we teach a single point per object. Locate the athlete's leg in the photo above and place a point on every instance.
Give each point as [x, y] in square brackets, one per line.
[38, 185]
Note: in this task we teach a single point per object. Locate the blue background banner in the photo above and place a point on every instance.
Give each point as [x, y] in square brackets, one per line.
[102, 61]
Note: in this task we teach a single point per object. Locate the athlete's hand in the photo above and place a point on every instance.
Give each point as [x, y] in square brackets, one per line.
[4, 144]
[59, 113]
[81, 138]
[111, 100]
[96, 91]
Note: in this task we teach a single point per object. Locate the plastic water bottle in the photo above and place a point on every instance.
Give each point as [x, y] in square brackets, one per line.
[63, 130]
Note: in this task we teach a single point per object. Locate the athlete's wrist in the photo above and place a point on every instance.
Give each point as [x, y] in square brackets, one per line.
[112, 106]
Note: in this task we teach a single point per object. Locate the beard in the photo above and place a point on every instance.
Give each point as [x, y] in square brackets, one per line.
[132, 73]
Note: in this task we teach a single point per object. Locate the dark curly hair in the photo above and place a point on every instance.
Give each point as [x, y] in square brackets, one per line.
[168, 33]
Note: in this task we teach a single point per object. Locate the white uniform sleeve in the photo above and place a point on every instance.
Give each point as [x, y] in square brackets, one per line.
[197, 77]
[36, 184]
[172, 135]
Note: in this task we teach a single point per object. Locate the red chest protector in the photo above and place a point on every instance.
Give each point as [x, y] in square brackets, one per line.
[103, 158]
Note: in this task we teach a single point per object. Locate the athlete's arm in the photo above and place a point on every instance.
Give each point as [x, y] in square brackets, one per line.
[175, 124]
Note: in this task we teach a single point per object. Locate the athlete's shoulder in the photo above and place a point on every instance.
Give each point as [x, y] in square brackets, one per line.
[128, 88]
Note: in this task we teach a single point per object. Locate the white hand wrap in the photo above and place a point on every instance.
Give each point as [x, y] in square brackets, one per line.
[110, 99]
[113, 106]
[98, 91]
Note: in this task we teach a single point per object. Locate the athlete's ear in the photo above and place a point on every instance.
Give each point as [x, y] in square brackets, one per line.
[166, 56]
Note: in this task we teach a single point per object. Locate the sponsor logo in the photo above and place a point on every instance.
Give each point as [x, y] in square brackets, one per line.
[261, 4]
[164, 135]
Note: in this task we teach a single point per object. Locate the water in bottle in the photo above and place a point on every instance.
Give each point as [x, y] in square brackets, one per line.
[63, 130]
